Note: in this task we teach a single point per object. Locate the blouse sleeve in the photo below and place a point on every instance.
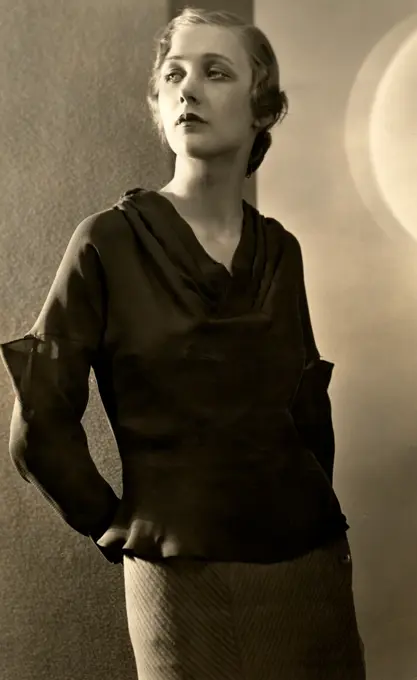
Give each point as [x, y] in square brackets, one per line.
[49, 368]
[311, 408]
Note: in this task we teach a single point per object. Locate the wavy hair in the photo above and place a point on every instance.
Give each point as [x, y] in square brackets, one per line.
[266, 97]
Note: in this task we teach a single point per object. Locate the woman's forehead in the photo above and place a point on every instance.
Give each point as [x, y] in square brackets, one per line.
[194, 42]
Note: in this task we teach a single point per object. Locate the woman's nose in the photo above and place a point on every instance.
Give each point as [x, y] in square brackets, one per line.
[187, 96]
[189, 90]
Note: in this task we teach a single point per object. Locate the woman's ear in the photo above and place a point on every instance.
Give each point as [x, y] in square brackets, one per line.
[264, 122]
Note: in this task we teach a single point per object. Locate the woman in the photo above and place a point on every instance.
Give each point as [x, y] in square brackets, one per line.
[191, 308]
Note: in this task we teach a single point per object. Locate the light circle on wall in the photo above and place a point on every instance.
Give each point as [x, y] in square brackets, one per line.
[381, 130]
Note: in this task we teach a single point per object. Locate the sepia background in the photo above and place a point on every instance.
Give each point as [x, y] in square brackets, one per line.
[341, 175]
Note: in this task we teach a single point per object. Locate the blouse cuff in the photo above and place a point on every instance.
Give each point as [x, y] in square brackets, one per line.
[47, 373]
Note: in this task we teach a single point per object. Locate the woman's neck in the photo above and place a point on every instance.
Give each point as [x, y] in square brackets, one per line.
[214, 203]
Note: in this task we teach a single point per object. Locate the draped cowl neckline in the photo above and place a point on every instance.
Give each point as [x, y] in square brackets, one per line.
[254, 261]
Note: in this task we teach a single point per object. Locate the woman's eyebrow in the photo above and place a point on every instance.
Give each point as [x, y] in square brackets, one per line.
[211, 55]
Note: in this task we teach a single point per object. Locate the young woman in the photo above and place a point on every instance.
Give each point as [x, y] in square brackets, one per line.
[191, 309]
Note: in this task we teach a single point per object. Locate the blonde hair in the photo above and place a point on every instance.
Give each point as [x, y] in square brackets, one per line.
[266, 97]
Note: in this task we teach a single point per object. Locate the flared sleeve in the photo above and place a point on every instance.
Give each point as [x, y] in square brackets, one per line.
[49, 368]
[311, 408]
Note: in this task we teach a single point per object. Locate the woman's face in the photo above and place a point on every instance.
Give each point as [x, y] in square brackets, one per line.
[207, 72]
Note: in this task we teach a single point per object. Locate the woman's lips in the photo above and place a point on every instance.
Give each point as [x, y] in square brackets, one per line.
[190, 118]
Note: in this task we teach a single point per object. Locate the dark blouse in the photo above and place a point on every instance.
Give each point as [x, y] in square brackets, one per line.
[211, 381]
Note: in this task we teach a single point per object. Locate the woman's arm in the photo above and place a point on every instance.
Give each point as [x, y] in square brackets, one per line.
[311, 408]
[49, 368]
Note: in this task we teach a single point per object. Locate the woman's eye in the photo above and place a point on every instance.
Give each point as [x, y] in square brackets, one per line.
[215, 70]
[171, 75]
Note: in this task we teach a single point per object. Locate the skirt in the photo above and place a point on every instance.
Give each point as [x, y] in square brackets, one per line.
[204, 620]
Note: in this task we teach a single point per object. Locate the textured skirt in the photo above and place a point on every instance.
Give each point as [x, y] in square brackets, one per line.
[197, 620]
